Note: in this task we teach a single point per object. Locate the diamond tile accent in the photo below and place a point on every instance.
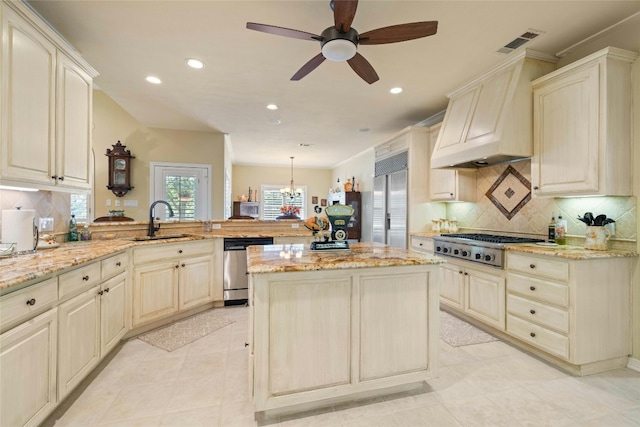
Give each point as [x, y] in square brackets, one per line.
[510, 192]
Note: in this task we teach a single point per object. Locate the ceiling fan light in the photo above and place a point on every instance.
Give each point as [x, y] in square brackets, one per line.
[339, 50]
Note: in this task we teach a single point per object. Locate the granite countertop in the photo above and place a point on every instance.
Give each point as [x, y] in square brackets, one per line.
[289, 258]
[569, 252]
[22, 268]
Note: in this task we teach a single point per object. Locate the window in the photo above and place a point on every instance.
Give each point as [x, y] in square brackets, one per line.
[185, 187]
[272, 201]
[79, 204]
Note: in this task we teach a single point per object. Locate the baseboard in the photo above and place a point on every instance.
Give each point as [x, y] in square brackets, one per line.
[634, 364]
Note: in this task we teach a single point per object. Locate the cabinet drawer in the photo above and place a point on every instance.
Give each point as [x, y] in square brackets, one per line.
[79, 278]
[538, 336]
[29, 300]
[540, 290]
[158, 251]
[536, 312]
[539, 267]
[422, 244]
[114, 265]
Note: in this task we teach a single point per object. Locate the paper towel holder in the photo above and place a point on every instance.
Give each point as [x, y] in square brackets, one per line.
[119, 169]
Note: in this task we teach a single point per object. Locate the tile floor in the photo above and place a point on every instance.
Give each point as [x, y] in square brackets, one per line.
[205, 384]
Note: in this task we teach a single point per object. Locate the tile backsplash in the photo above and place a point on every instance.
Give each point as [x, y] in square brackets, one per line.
[535, 215]
[47, 204]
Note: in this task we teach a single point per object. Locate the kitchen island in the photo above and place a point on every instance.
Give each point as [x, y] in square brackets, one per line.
[329, 326]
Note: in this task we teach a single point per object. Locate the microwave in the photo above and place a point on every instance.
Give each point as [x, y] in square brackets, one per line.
[251, 209]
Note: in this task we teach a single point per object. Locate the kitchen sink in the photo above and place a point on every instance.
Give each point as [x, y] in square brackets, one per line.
[165, 237]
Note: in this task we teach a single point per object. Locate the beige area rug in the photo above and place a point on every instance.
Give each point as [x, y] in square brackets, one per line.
[185, 331]
[457, 333]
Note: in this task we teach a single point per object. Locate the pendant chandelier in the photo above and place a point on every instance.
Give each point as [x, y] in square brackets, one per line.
[290, 193]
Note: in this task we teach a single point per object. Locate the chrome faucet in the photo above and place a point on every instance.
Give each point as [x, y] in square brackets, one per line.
[152, 229]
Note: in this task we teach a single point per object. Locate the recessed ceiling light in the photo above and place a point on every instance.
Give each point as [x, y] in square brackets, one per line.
[195, 63]
[272, 107]
[396, 90]
[302, 144]
[154, 80]
[274, 121]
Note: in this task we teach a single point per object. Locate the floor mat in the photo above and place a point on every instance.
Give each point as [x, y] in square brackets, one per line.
[457, 333]
[185, 331]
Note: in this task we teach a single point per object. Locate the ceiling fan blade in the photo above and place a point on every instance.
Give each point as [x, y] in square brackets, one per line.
[362, 68]
[308, 67]
[343, 13]
[281, 31]
[399, 33]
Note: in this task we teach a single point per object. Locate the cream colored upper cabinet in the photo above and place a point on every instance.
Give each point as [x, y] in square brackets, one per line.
[450, 185]
[489, 118]
[73, 148]
[28, 95]
[582, 128]
[46, 106]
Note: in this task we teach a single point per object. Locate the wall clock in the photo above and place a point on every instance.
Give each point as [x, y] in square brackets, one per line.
[119, 169]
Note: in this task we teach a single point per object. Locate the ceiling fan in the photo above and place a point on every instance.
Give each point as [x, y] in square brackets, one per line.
[340, 41]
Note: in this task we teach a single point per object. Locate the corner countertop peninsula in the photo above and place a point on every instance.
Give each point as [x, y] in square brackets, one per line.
[329, 326]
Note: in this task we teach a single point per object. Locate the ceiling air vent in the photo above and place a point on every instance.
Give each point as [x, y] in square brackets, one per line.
[522, 39]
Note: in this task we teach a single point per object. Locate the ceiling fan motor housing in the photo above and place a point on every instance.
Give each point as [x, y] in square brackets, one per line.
[338, 45]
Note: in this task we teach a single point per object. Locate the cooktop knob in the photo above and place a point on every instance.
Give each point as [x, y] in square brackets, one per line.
[465, 253]
[478, 256]
[456, 251]
[445, 250]
[488, 257]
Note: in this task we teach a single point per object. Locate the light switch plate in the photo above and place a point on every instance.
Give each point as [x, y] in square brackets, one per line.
[216, 226]
[131, 203]
[46, 224]
[295, 225]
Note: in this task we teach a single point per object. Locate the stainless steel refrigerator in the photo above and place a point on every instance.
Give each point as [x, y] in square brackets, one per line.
[390, 201]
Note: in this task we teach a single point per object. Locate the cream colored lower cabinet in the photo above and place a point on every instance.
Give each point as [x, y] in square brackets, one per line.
[90, 325]
[114, 313]
[28, 371]
[578, 311]
[79, 339]
[332, 333]
[173, 277]
[155, 291]
[195, 282]
[421, 244]
[477, 292]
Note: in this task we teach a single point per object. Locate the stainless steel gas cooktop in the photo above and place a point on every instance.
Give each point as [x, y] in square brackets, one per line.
[477, 247]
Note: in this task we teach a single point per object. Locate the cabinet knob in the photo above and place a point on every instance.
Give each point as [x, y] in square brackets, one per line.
[118, 264]
[535, 187]
[460, 272]
[100, 292]
[61, 178]
[85, 278]
[177, 266]
[106, 290]
[532, 311]
[182, 264]
[54, 176]
[31, 301]
[179, 251]
[420, 244]
[532, 288]
[246, 344]
[532, 266]
[466, 274]
[533, 334]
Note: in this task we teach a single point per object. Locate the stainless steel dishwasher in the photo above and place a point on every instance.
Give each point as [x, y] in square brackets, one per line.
[236, 282]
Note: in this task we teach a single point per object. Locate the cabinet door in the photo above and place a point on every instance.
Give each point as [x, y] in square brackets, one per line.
[113, 313]
[196, 282]
[28, 96]
[566, 126]
[28, 375]
[485, 297]
[490, 108]
[73, 141]
[79, 339]
[155, 291]
[452, 286]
